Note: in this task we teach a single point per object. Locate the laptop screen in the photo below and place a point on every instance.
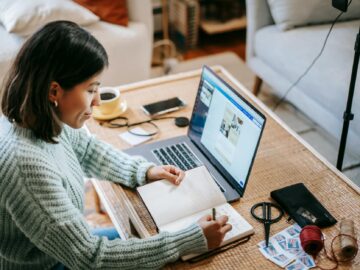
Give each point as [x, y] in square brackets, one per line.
[226, 128]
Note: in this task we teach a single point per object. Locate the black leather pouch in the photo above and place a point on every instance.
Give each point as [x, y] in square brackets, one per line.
[302, 206]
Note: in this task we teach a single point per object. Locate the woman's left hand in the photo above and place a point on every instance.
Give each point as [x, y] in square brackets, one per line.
[168, 172]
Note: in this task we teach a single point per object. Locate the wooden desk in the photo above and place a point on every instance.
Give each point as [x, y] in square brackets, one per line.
[283, 158]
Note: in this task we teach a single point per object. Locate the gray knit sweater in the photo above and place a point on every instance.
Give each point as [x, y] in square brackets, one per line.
[42, 200]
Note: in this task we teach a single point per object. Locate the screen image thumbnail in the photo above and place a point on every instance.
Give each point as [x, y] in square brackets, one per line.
[231, 126]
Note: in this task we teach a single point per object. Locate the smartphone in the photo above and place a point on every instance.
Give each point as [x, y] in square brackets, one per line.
[163, 106]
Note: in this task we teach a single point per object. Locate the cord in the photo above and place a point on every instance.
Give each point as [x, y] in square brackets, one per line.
[311, 65]
[312, 242]
[124, 122]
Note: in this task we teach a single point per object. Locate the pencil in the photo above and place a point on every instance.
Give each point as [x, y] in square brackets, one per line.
[214, 214]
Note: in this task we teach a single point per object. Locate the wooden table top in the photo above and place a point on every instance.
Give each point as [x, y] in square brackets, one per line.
[283, 159]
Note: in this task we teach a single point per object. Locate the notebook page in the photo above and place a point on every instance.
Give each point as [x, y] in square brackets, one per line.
[167, 202]
[240, 227]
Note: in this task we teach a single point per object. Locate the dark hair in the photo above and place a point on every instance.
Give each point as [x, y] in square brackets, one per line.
[61, 51]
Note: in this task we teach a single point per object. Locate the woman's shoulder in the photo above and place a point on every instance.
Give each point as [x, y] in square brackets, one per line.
[19, 144]
[75, 136]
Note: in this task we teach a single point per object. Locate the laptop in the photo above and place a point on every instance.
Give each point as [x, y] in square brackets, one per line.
[224, 135]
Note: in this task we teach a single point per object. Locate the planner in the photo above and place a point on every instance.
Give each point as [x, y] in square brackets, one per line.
[175, 207]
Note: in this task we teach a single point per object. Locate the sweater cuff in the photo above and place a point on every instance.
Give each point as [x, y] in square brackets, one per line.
[141, 172]
[190, 240]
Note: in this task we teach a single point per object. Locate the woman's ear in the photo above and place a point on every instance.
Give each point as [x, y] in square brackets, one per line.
[55, 92]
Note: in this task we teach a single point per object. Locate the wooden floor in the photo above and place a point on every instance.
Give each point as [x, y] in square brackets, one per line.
[208, 44]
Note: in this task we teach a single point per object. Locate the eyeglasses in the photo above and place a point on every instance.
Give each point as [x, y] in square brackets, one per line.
[137, 128]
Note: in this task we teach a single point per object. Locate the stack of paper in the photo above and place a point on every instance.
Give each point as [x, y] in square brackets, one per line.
[285, 250]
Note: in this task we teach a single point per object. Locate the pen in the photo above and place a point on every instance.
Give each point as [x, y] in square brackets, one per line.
[214, 214]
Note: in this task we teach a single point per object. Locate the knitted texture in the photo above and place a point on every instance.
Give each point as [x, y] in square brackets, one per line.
[42, 200]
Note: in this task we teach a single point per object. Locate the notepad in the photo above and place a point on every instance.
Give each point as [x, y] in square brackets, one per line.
[134, 139]
[176, 207]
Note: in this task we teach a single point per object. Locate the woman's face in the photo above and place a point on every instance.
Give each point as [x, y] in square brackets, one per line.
[75, 105]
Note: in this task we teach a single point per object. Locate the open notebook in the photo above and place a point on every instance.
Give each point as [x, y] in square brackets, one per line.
[175, 207]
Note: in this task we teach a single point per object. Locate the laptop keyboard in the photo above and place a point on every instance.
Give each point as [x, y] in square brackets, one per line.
[181, 156]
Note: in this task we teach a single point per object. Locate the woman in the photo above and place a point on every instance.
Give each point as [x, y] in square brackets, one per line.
[49, 93]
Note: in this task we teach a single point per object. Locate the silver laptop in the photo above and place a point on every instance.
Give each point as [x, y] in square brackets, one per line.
[224, 135]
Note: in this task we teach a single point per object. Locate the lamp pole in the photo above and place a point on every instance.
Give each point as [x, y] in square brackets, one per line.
[348, 115]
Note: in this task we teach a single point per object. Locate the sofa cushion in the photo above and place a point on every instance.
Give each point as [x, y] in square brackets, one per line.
[288, 14]
[25, 17]
[291, 52]
[127, 48]
[108, 10]
[9, 47]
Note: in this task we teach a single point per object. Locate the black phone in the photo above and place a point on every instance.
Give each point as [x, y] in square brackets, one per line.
[163, 106]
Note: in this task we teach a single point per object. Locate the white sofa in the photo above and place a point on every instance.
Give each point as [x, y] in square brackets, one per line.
[129, 48]
[280, 57]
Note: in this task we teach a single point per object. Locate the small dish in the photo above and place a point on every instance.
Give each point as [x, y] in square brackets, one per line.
[100, 116]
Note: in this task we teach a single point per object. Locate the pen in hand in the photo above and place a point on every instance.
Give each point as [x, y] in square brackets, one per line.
[214, 214]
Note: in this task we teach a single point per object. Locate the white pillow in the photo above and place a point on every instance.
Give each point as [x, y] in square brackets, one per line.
[288, 14]
[24, 17]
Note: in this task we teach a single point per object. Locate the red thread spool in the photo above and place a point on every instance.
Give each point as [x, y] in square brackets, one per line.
[312, 240]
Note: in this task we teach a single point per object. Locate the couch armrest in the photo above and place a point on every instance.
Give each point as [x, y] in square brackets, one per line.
[258, 15]
[141, 11]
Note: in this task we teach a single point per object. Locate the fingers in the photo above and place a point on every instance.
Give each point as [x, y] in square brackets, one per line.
[222, 220]
[173, 174]
[226, 228]
[180, 176]
[214, 230]
[170, 177]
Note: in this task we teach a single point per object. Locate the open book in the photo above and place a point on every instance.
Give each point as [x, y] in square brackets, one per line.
[175, 207]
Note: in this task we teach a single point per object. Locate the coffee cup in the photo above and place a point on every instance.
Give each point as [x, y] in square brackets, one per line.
[109, 100]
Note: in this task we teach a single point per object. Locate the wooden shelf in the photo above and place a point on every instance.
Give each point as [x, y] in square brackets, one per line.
[215, 27]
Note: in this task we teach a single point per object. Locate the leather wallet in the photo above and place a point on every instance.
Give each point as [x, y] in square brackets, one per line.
[302, 206]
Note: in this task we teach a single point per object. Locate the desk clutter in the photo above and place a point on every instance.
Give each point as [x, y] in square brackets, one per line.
[299, 248]
[285, 250]
[112, 106]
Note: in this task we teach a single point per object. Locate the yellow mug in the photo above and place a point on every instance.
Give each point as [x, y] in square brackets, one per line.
[109, 100]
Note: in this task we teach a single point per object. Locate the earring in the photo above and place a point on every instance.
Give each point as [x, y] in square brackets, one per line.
[55, 103]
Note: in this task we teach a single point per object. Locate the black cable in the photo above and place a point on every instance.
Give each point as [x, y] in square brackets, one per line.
[125, 123]
[311, 65]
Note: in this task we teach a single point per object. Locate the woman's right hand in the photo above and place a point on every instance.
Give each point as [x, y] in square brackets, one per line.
[214, 230]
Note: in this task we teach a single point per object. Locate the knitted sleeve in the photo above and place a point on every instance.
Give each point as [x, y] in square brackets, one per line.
[100, 160]
[41, 208]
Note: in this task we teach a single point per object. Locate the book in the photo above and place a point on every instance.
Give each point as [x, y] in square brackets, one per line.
[176, 207]
[184, 23]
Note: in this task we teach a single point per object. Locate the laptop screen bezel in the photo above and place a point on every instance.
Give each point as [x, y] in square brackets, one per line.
[195, 138]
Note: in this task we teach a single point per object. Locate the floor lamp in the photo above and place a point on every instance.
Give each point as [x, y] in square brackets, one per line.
[348, 115]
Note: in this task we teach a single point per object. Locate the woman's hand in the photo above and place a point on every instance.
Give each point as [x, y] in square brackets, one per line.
[168, 172]
[214, 230]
